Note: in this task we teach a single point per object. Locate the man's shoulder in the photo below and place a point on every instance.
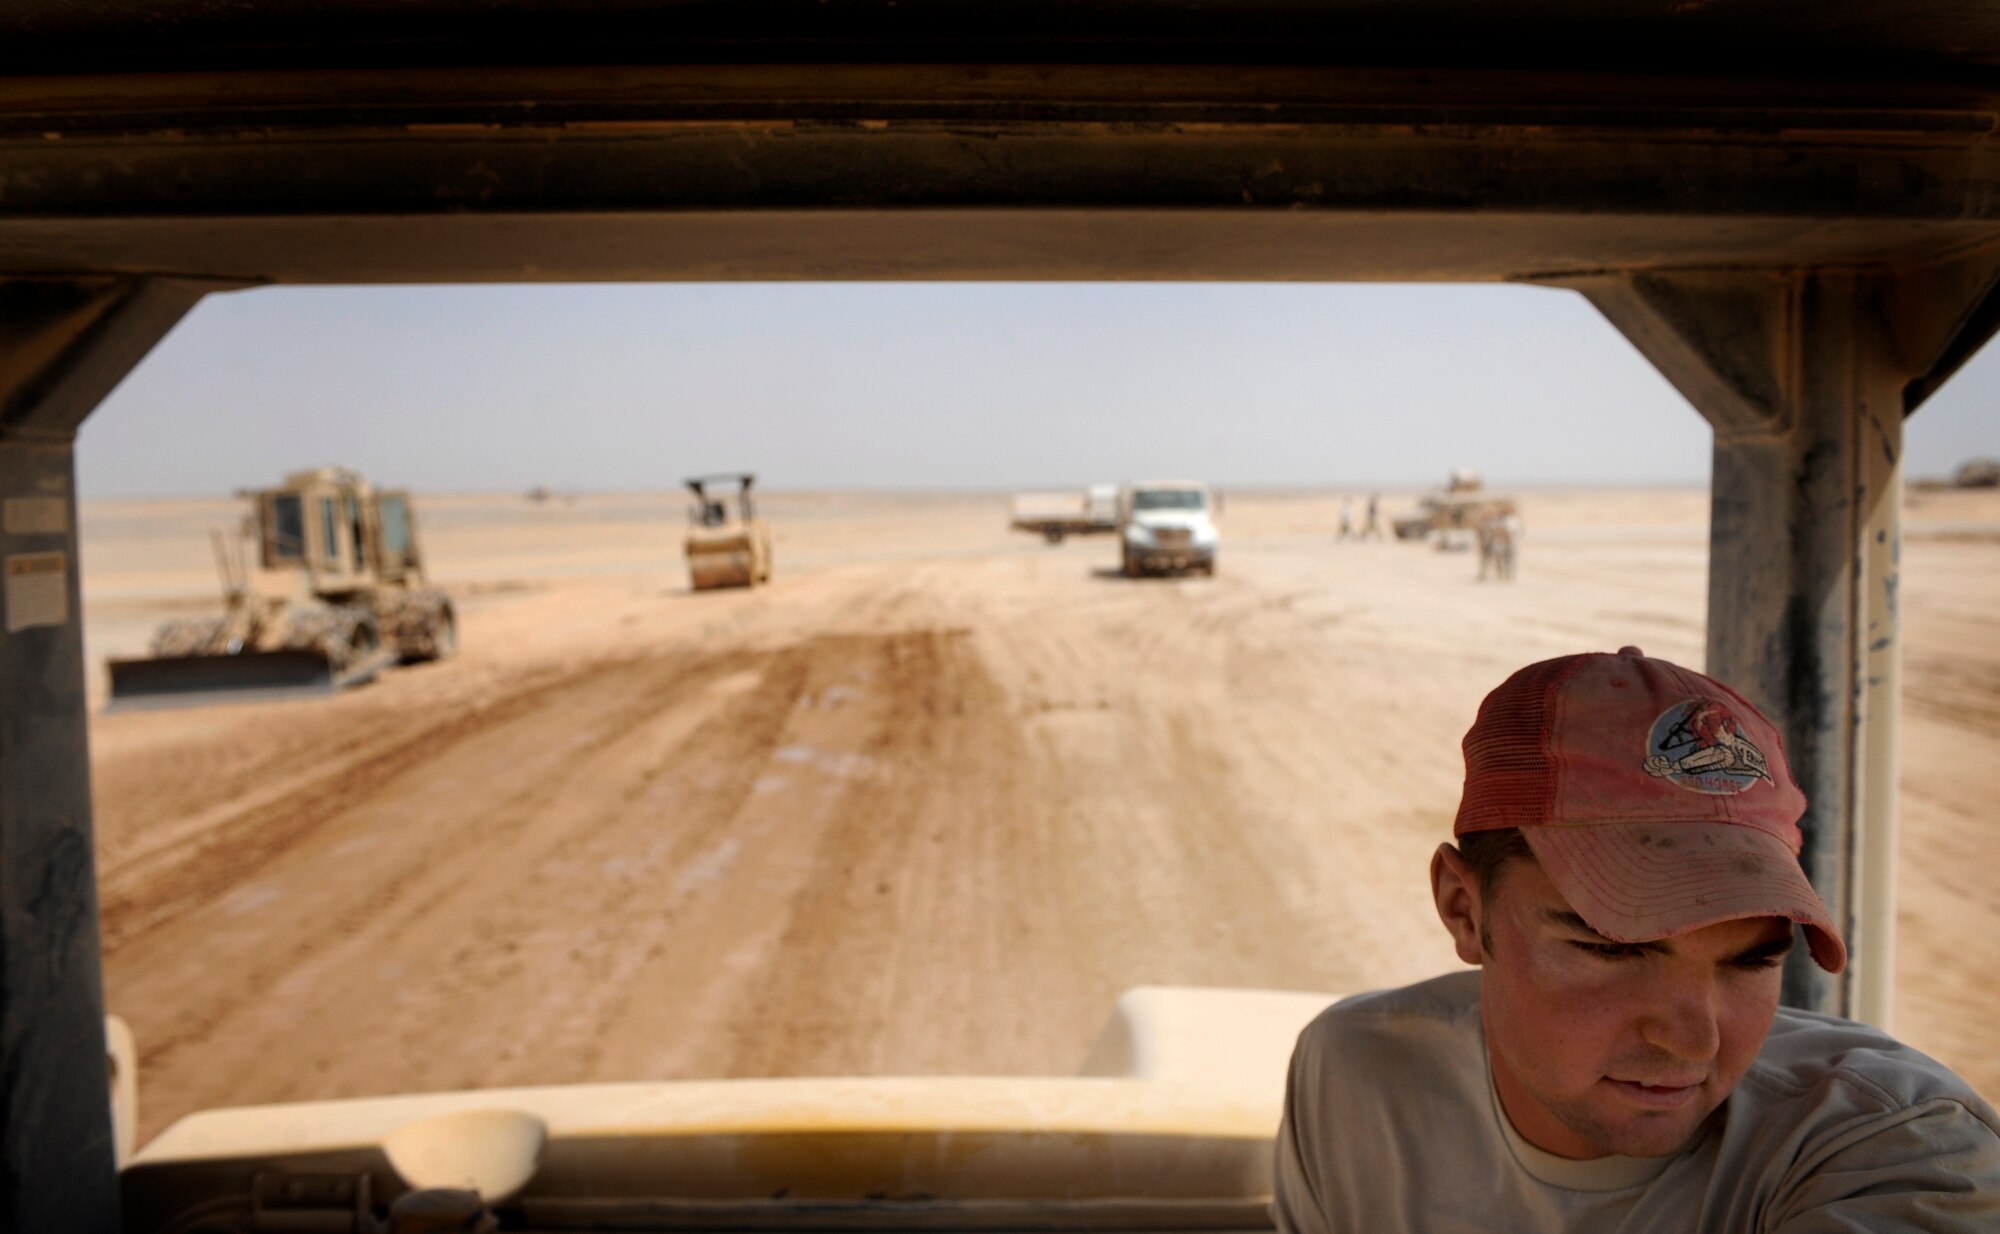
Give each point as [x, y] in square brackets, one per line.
[1843, 1121]
[1419, 1048]
[1809, 1053]
[1413, 1019]
[1451, 997]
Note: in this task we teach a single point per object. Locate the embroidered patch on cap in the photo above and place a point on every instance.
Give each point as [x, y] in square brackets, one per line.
[1700, 746]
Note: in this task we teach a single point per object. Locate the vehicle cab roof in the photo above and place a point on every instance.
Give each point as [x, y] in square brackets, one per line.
[1915, 38]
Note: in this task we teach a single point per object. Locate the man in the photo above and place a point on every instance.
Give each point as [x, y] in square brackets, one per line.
[1626, 878]
[1493, 547]
[1372, 529]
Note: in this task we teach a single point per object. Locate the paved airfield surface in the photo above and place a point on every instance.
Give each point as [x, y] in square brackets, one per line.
[924, 805]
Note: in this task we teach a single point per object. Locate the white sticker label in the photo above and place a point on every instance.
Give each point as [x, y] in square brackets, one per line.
[37, 590]
[34, 516]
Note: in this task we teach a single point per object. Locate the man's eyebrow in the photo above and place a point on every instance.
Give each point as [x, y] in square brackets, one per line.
[1769, 949]
[1568, 920]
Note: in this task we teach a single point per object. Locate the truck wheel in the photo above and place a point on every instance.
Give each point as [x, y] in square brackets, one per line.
[1054, 535]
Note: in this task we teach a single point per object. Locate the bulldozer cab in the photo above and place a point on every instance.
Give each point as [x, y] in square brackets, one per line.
[344, 535]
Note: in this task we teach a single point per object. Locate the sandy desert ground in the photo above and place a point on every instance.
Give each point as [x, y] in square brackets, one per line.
[926, 804]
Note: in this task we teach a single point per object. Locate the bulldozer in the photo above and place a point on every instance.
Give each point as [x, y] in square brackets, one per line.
[1452, 514]
[726, 547]
[353, 602]
[1445, 515]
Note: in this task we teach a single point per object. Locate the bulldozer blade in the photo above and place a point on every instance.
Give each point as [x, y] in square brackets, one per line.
[250, 677]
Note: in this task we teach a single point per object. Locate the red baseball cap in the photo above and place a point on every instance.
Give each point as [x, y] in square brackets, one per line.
[1657, 799]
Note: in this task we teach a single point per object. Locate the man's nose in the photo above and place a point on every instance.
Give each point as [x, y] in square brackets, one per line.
[1680, 1019]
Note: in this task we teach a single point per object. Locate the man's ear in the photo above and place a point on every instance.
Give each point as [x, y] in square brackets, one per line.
[1456, 889]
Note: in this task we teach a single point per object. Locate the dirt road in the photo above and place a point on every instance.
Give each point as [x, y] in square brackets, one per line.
[925, 805]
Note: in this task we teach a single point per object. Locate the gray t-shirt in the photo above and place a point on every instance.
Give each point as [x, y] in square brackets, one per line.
[1391, 1124]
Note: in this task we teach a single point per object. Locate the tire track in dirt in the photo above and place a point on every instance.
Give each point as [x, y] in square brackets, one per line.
[671, 834]
[150, 889]
[742, 866]
[926, 899]
[462, 919]
[377, 872]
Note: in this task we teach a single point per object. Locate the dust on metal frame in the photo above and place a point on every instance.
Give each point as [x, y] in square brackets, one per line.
[1806, 259]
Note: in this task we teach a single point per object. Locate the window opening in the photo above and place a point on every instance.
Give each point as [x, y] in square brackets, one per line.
[395, 526]
[288, 527]
[1167, 499]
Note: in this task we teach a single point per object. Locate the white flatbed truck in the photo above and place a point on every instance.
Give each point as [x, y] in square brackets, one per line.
[1078, 512]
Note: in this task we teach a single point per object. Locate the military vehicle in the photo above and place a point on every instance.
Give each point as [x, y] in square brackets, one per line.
[1977, 473]
[1452, 514]
[726, 547]
[349, 600]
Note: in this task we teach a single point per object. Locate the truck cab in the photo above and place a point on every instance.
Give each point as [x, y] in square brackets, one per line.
[1166, 526]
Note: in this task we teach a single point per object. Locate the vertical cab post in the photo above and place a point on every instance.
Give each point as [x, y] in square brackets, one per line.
[52, 1088]
[64, 343]
[1805, 376]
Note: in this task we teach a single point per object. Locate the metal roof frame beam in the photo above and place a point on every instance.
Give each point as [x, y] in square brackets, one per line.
[979, 171]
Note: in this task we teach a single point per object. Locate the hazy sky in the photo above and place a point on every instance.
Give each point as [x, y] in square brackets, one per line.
[916, 385]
